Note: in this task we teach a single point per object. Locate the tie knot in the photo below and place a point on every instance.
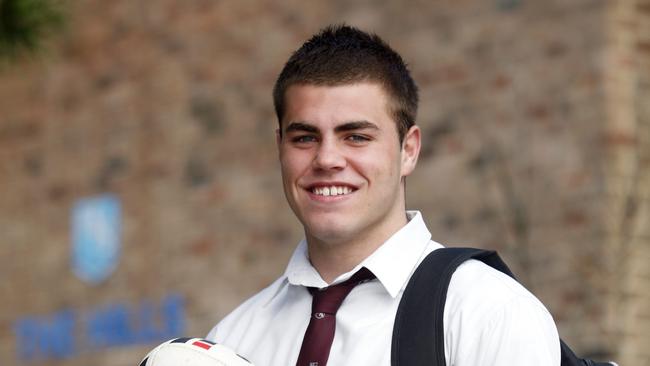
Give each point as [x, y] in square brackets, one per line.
[329, 299]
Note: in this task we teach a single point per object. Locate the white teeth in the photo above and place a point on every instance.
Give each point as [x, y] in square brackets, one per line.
[331, 191]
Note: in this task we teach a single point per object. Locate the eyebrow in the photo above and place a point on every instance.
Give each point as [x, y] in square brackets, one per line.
[356, 125]
[301, 126]
[348, 126]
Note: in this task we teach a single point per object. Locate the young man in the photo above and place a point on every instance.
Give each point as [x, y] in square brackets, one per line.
[346, 106]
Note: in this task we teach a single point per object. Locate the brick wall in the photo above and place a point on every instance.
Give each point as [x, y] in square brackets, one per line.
[533, 116]
[627, 146]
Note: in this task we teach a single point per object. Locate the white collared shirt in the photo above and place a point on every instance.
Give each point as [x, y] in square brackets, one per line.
[489, 318]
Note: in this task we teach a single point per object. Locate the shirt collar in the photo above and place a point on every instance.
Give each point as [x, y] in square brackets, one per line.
[392, 262]
[300, 272]
[397, 258]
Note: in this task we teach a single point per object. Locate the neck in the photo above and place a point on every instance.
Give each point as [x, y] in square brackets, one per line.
[331, 258]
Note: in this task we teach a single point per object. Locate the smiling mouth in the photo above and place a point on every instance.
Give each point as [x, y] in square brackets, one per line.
[332, 190]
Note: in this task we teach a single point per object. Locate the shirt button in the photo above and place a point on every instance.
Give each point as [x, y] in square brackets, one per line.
[319, 315]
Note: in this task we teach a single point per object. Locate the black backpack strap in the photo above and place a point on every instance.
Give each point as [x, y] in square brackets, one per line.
[415, 343]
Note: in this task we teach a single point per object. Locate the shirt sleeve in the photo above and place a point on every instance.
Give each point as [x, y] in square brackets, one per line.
[519, 333]
[494, 321]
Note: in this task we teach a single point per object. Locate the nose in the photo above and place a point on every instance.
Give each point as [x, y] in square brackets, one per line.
[329, 156]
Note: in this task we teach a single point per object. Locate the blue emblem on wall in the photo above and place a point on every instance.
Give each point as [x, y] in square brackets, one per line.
[96, 231]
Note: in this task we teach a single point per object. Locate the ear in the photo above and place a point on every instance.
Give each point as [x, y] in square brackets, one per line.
[278, 139]
[410, 150]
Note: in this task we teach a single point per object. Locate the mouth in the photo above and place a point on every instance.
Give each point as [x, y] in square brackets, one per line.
[331, 190]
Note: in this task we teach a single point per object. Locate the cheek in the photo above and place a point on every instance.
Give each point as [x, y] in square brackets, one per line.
[378, 169]
[292, 165]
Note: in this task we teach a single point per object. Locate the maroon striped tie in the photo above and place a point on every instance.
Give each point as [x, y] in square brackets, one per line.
[320, 332]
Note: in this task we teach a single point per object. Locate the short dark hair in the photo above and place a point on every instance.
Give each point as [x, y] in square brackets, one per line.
[343, 54]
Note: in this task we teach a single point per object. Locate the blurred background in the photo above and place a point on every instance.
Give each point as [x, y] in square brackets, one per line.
[140, 197]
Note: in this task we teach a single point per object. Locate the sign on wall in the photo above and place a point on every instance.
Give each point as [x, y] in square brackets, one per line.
[72, 332]
[96, 231]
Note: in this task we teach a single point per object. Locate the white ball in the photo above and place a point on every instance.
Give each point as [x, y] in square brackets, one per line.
[193, 352]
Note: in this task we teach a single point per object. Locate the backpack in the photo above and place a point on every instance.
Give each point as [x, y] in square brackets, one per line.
[418, 335]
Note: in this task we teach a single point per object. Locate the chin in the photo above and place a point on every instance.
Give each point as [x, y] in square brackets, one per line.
[328, 231]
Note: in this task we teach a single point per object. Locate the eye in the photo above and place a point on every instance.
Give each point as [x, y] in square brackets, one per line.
[303, 139]
[356, 138]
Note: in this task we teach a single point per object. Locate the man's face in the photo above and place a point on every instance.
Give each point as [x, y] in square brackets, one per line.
[342, 163]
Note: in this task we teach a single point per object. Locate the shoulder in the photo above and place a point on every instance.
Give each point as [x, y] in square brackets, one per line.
[244, 313]
[474, 280]
[485, 305]
[478, 288]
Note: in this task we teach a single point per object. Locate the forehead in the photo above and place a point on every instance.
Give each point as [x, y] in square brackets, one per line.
[325, 106]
